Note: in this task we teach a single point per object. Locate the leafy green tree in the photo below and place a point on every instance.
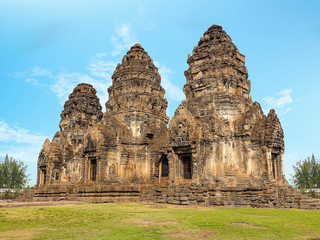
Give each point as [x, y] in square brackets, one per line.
[307, 174]
[12, 173]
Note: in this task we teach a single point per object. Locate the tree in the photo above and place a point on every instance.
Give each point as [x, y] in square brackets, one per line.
[307, 174]
[12, 173]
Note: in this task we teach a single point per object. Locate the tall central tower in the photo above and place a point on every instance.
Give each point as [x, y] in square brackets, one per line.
[217, 79]
[136, 97]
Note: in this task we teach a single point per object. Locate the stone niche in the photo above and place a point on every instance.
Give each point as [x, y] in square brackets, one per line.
[219, 149]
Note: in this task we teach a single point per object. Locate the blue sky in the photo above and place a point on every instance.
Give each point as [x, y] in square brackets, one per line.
[48, 47]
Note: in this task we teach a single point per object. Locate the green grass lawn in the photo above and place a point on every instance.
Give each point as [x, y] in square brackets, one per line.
[141, 221]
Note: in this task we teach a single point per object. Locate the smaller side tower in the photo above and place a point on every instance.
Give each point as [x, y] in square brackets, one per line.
[60, 161]
[81, 111]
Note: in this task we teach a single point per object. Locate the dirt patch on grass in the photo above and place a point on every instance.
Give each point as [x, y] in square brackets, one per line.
[157, 206]
[314, 236]
[246, 225]
[203, 234]
[33, 204]
[145, 223]
[19, 234]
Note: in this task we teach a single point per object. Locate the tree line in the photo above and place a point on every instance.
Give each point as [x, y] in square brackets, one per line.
[13, 176]
[306, 175]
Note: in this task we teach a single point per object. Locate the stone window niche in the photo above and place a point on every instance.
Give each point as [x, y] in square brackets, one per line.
[186, 166]
[273, 162]
[276, 169]
[57, 176]
[93, 169]
[43, 175]
[164, 167]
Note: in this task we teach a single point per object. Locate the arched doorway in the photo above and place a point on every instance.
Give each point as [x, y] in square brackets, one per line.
[163, 167]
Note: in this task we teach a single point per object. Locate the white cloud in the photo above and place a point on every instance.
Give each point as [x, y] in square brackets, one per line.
[32, 81]
[17, 134]
[33, 72]
[38, 71]
[101, 67]
[280, 103]
[33, 75]
[20, 143]
[146, 18]
[173, 92]
[64, 83]
[122, 39]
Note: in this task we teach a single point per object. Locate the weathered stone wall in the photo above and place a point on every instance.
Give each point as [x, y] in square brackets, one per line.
[249, 193]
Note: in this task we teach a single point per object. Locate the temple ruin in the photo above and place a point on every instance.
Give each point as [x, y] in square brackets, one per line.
[219, 149]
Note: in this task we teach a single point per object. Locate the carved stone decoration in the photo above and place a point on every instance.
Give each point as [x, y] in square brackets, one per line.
[113, 170]
[81, 111]
[136, 97]
[219, 149]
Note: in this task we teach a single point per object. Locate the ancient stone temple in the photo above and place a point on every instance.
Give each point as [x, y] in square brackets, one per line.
[219, 148]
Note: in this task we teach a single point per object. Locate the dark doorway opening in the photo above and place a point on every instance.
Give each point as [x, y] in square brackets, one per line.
[274, 162]
[187, 167]
[93, 170]
[44, 176]
[164, 167]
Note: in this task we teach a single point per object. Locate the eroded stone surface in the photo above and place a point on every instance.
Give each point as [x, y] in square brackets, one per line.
[60, 161]
[136, 97]
[219, 150]
[218, 127]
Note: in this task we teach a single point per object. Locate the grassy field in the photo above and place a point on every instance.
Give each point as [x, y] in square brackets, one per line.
[141, 221]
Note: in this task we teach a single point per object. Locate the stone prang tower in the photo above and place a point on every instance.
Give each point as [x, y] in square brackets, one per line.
[219, 149]
[136, 97]
[60, 161]
[218, 132]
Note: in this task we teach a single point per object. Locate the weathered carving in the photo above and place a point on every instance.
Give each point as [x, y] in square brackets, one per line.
[225, 133]
[219, 149]
[136, 97]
